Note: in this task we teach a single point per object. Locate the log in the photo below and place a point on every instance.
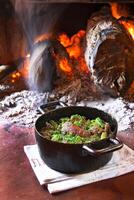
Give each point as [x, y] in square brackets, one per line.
[5, 70]
[43, 67]
[109, 53]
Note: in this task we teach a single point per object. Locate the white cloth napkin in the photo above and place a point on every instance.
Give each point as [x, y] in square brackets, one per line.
[121, 163]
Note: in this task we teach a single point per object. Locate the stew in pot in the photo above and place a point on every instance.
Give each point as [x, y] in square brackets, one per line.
[76, 129]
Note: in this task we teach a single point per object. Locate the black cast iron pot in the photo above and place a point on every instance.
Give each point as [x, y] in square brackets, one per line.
[74, 158]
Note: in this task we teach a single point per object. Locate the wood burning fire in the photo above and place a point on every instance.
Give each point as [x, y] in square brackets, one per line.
[84, 52]
[88, 68]
[63, 55]
[105, 49]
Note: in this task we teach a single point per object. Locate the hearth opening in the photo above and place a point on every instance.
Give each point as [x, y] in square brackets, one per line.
[61, 43]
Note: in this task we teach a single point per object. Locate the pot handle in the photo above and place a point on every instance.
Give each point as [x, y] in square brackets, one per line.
[115, 145]
[51, 104]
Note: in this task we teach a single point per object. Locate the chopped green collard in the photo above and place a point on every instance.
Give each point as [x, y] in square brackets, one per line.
[76, 129]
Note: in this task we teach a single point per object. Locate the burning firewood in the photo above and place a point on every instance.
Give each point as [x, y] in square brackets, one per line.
[5, 70]
[109, 53]
[43, 64]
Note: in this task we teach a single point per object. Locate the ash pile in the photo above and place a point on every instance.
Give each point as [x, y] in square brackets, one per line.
[21, 108]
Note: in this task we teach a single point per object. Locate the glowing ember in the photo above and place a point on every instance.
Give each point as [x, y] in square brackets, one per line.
[65, 66]
[129, 25]
[22, 71]
[15, 76]
[72, 44]
[74, 48]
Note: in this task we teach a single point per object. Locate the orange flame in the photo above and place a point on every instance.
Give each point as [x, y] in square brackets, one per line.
[129, 25]
[23, 70]
[65, 66]
[74, 49]
[114, 10]
[72, 44]
[64, 40]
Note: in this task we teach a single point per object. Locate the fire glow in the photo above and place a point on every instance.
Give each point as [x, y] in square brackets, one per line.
[72, 44]
[129, 25]
[74, 49]
[15, 76]
[65, 66]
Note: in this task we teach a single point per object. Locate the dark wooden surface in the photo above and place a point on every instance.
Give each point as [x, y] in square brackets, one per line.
[18, 182]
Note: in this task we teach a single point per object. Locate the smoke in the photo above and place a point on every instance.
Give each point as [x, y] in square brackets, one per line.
[38, 17]
[42, 67]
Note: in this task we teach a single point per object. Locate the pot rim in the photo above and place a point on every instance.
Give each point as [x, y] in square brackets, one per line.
[79, 144]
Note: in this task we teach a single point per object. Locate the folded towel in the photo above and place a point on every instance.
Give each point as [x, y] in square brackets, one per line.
[121, 163]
